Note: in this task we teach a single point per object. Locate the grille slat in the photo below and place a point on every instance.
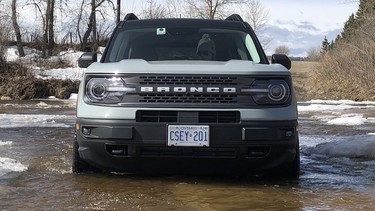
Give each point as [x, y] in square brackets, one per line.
[178, 98]
[182, 152]
[196, 80]
[203, 116]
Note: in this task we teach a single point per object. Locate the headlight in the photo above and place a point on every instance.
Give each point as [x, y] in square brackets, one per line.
[269, 92]
[106, 90]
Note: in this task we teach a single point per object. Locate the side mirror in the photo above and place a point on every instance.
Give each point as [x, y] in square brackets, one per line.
[86, 59]
[281, 59]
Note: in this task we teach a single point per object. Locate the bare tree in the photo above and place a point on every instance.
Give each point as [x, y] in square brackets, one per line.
[313, 54]
[256, 15]
[282, 49]
[175, 8]
[118, 11]
[91, 26]
[5, 35]
[50, 25]
[210, 8]
[152, 9]
[46, 10]
[16, 28]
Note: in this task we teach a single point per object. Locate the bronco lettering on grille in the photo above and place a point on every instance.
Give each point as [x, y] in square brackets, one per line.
[149, 89]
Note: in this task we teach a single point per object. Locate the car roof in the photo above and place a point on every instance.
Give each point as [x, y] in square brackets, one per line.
[185, 22]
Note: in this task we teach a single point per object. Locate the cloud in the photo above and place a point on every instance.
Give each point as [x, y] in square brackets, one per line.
[298, 36]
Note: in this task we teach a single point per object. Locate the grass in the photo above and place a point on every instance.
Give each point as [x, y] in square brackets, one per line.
[301, 73]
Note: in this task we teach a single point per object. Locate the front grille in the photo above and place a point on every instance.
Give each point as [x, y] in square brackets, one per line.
[179, 98]
[188, 80]
[196, 117]
[187, 152]
[181, 91]
[219, 117]
[156, 116]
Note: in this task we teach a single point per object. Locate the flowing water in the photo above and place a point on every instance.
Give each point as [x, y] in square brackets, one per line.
[337, 161]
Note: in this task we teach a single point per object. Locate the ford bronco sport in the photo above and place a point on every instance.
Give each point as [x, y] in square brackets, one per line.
[172, 95]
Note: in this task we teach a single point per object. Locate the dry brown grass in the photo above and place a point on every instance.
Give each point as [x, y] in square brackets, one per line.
[347, 71]
[17, 83]
[301, 73]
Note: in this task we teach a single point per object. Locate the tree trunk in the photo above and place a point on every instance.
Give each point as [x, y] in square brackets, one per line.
[89, 27]
[17, 29]
[94, 45]
[118, 10]
[50, 18]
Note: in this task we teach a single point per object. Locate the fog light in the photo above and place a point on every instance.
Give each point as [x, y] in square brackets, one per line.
[289, 133]
[86, 131]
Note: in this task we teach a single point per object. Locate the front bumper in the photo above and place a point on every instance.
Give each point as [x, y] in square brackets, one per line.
[130, 146]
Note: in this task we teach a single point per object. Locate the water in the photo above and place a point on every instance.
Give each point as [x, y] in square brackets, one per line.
[338, 165]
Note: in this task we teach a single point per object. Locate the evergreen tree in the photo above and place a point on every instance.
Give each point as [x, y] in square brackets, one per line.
[349, 28]
[326, 45]
[366, 9]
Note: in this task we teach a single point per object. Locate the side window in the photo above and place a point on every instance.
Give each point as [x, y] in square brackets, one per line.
[252, 49]
[119, 46]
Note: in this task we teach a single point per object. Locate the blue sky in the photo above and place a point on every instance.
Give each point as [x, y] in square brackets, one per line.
[324, 14]
[303, 24]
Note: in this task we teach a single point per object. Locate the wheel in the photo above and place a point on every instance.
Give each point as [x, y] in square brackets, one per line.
[289, 170]
[79, 165]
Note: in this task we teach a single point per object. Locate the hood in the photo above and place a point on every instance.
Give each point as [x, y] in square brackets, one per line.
[234, 67]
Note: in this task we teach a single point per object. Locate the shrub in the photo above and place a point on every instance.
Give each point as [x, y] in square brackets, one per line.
[19, 84]
[348, 70]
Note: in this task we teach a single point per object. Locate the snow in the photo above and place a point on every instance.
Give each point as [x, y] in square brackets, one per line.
[331, 105]
[335, 112]
[70, 56]
[359, 146]
[348, 120]
[12, 54]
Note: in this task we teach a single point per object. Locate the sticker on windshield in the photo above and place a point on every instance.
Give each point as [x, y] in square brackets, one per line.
[161, 31]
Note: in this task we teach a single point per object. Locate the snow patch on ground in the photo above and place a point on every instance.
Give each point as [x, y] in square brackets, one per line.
[331, 105]
[348, 120]
[361, 146]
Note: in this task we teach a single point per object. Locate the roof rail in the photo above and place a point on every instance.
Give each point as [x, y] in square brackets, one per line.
[130, 17]
[234, 17]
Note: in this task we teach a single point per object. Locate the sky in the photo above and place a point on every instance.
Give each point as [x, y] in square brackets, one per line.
[303, 24]
[298, 24]
[323, 14]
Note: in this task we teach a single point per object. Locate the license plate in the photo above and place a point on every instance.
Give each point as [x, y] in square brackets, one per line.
[188, 135]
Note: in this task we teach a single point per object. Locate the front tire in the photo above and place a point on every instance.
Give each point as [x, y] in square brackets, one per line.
[78, 164]
[293, 169]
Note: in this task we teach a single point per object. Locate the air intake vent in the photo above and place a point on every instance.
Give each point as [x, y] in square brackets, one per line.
[219, 117]
[188, 80]
[203, 116]
[179, 98]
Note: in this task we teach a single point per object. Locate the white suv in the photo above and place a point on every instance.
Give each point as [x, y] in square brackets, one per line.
[186, 95]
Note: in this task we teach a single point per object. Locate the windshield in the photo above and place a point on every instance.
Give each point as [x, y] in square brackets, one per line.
[161, 44]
